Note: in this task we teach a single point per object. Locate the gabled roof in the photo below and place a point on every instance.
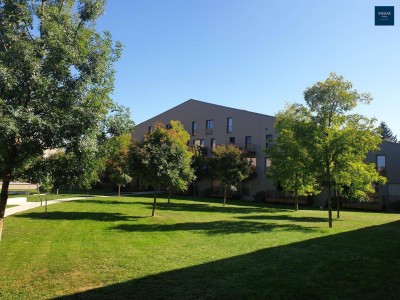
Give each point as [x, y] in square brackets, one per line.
[206, 105]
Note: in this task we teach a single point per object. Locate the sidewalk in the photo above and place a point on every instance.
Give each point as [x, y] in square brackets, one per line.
[28, 205]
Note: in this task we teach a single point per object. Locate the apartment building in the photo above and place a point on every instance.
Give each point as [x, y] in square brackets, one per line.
[210, 125]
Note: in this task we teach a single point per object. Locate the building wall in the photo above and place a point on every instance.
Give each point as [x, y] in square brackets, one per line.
[245, 123]
[391, 191]
[257, 126]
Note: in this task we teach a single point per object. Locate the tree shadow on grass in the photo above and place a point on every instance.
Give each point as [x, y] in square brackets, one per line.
[285, 218]
[213, 228]
[76, 215]
[360, 264]
[102, 201]
[206, 207]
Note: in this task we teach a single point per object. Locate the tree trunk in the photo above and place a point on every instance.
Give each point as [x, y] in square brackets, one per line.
[153, 213]
[224, 196]
[38, 194]
[296, 201]
[169, 195]
[338, 204]
[3, 202]
[329, 206]
[70, 190]
[45, 204]
[6, 177]
[194, 190]
[119, 190]
[57, 191]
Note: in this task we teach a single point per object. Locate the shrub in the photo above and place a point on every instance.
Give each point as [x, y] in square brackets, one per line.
[260, 196]
[207, 192]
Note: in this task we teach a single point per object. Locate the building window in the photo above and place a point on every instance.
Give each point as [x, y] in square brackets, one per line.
[229, 125]
[150, 129]
[268, 140]
[199, 143]
[194, 128]
[267, 164]
[168, 126]
[213, 143]
[381, 164]
[209, 126]
[232, 140]
[247, 142]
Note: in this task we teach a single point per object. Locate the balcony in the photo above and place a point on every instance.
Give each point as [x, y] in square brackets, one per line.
[209, 131]
[250, 150]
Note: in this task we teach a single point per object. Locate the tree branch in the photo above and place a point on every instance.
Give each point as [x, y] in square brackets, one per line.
[27, 30]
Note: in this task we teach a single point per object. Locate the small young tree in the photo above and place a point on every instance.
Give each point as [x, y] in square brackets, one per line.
[159, 159]
[199, 167]
[291, 159]
[229, 166]
[180, 173]
[116, 166]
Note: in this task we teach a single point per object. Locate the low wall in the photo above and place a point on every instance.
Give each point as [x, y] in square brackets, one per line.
[20, 186]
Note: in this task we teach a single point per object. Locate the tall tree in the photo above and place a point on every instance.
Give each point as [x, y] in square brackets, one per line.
[117, 122]
[56, 74]
[338, 139]
[229, 166]
[291, 159]
[387, 134]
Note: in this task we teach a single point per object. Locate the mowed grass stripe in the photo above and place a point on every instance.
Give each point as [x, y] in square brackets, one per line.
[111, 248]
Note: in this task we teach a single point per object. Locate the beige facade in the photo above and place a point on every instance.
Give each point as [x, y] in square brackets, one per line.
[210, 124]
[215, 124]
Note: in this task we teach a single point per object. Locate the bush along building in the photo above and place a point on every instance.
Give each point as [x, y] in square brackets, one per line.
[210, 125]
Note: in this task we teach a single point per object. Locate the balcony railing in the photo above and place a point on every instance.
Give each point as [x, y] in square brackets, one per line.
[248, 149]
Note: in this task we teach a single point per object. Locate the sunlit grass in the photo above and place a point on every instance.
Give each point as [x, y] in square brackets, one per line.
[113, 248]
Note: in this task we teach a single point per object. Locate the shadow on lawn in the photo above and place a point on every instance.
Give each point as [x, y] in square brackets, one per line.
[286, 218]
[208, 207]
[102, 201]
[213, 228]
[360, 264]
[76, 215]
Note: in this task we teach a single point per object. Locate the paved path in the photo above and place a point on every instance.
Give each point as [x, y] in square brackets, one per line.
[28, 205]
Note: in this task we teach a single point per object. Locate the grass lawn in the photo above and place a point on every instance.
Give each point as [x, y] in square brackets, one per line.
[109, 248]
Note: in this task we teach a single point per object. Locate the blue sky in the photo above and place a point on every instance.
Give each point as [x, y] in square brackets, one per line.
[256, 55]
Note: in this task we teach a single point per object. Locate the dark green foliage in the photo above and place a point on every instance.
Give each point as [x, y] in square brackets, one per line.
[322, 145]
[292, 154]
[56, 74]
[199, 166]
[260, 196]
[229, 166]
[161, 158]
[387, 134]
